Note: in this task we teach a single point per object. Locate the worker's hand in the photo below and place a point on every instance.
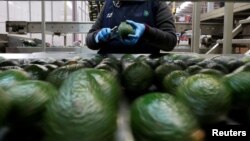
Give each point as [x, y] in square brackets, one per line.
[138, 31]
[102, 35]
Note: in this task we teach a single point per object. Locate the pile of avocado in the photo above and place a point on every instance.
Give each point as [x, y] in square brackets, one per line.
[172, 97]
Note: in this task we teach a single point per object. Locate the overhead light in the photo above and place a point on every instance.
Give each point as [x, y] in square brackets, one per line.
[183, 6]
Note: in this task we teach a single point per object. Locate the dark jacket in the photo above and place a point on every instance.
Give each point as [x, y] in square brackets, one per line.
[159, 35]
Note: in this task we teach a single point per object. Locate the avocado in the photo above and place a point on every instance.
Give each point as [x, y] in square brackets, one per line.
[153, 62]
[5, 106]
[212, 72]
[112, 62]
[71, 62]
[204, 63]
[234, 64]
[245, 59]
[207, 97]
[223, 60]
[86, 63]
[180, 63]
[127, 58]
[109, 68]
[124, 29]
[164, 69]
[109, 85]
[182, 57]
[193, 69]
[9, 63]
[243, 68]
[194, 61]
[161, 117]
[57, 76]
[10, 67]
[141, 58]
[137, 77]
[173, 80]
[39, 61]
[96, 59]
[50, 67]
[126, 61]
[239, 84]
[37, 72]
[145, 59]
[9, 78]
[29, 97]
[79, 112]
[165, 58]
[58, 63]
[218, 67]
[112, 65]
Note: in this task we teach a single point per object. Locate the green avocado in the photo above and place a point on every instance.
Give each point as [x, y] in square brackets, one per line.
[194, 61]
[212, 72]
[113, 62]
[112, 65]
[218, 66]
[193, 69]
[127, 58]
[173, 80]
[57, 76]
[243, 68]
[137, 77]
[37, 72]
[58, 63]
[207, 97]
[245, 59]
[79, 112]
[50, 67]
[5, 106]
[124, 29]
[239, 84]
[183, 57]
[161, 117]
[39, 61]
[9, 78]
[223, 60]
[234, 64]
[30, 97]
[10, 68]
[9, 63]
[164, 69]
[96, 59]
[109, 68]
[109, 85]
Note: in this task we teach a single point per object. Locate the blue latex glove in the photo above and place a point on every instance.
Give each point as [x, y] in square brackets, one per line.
[102, 35]
[133, 38]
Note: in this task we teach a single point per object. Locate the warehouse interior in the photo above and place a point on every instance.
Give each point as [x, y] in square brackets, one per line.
[53, 87]
[18, 16]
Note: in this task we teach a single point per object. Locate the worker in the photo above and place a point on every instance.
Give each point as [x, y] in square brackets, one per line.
[152, 21]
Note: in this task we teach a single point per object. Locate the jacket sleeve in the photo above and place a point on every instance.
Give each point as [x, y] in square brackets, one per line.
[164, 35]
[90, 38]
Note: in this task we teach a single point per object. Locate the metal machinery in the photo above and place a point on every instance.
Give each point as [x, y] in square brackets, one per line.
[15, 43]
[214, 23]
[206, 29]
[210, 25]
[240, 24]
[58, 28]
